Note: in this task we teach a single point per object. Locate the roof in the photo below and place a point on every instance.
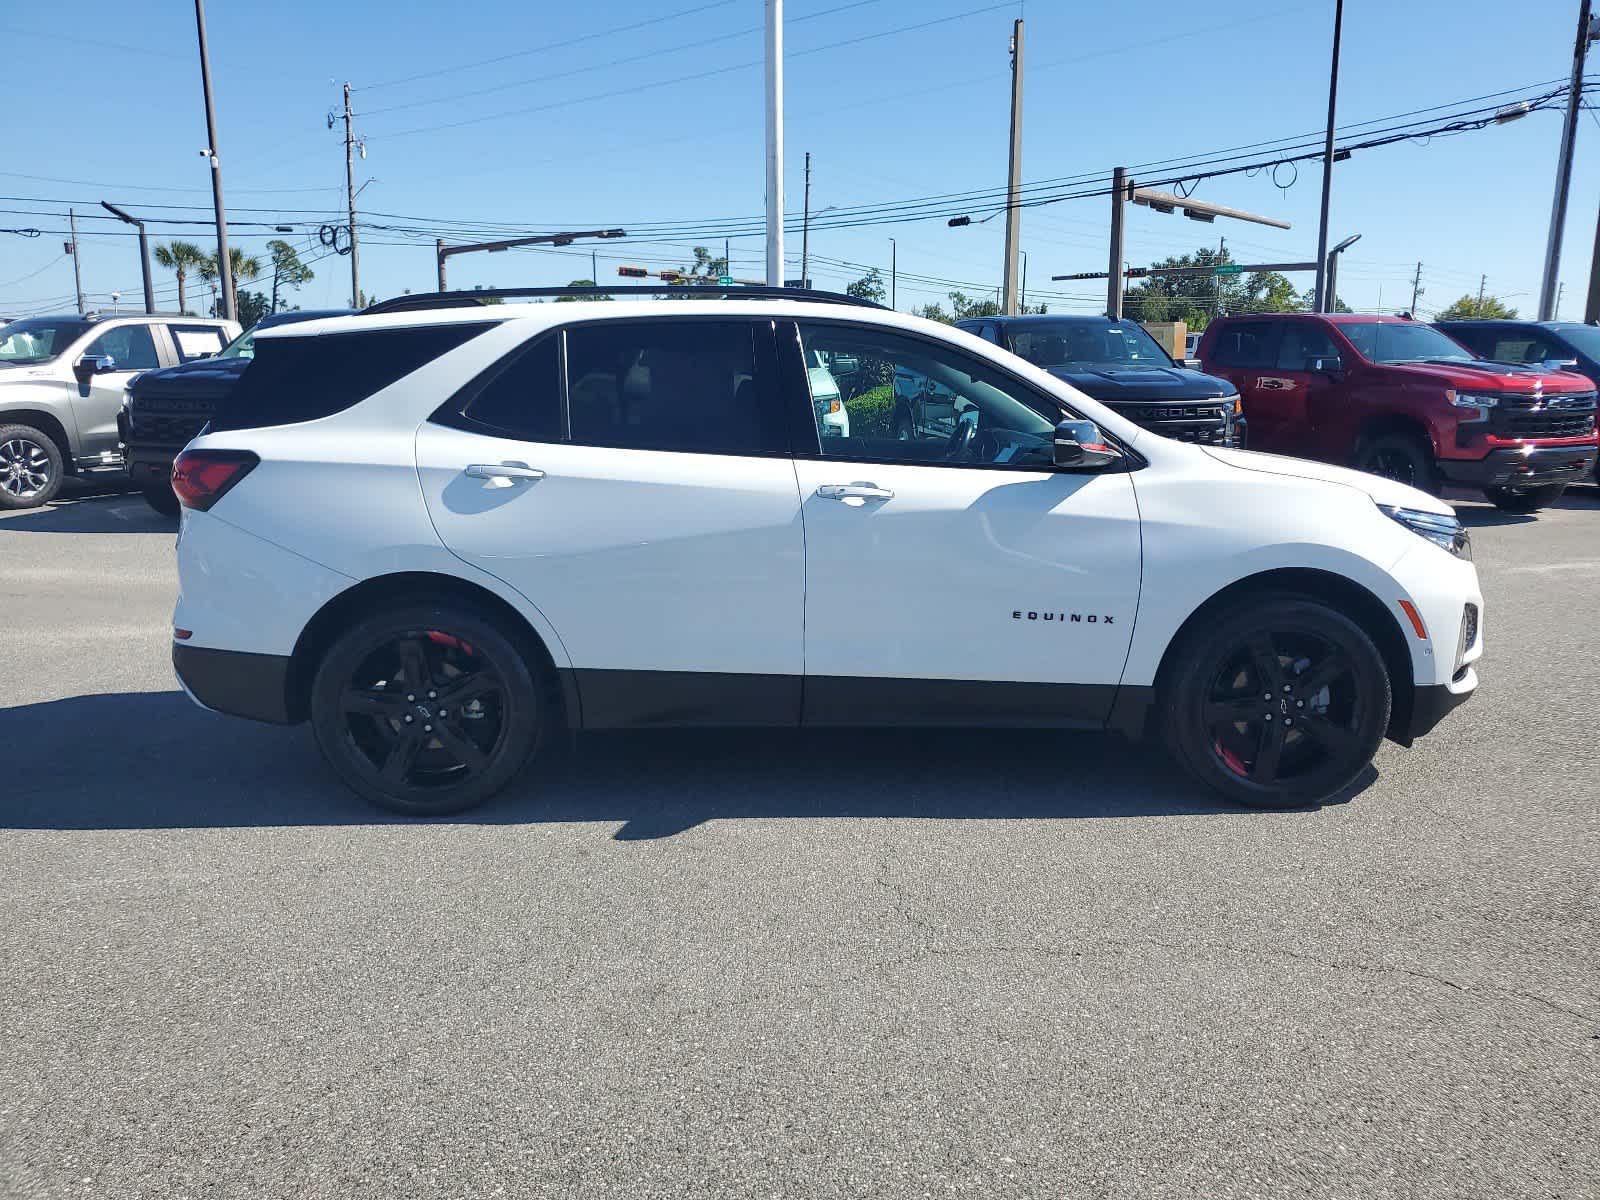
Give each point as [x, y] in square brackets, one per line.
[1052, 318]
[1336, 318]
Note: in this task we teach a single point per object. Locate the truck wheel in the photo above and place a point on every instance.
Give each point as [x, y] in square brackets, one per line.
[902, 427]
[161, 498]
[429, 708]
[1524, 500]
[1402, 458]
[31, 467]
[1280, 704]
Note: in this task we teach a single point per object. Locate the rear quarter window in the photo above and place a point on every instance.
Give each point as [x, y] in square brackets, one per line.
[294, 379]
[1243, 346]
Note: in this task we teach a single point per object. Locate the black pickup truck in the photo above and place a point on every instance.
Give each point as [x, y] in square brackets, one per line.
[1123, 367]
[163, 411]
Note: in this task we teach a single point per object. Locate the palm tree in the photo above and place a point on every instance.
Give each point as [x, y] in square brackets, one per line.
[246, 269]
[181, 258]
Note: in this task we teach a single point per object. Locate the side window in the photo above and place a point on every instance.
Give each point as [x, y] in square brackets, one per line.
[1302, 344]
[1246, 345]
[917, 401]
[130, 345]
[1520, 348]
[195, 341]
[989, 332]
[519, 397]
[681, 385]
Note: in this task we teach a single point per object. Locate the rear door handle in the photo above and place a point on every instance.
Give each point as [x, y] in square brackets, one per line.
[854, 491]
[503, 474]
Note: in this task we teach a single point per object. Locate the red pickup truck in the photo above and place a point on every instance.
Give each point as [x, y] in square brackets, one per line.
[1398, 398]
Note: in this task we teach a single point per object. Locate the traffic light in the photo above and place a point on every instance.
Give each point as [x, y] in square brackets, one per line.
[633, 272]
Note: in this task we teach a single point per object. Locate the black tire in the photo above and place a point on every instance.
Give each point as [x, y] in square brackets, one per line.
[161, 498]
[1524, 500]
[1328, 709]
[1401, 457]
[31, 467]
[439, 761]
[902, 427]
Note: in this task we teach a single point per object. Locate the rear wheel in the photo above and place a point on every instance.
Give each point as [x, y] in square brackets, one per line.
[1524, 500]
[31, 467]
[1280, 704]
[161, 498]
[428, 709]
[1402, 458]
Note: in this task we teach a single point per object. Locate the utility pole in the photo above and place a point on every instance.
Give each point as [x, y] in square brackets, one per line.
[894, 271]
[1022, 299]
[594, 267]
[350, 189]
[1216, 301]
[77, 267]
[438, 253]
[805, 228]
[1483, 281]
[1416, 289]
[774, 143]
[727, 256]
[1014, 177]
[1121, 186]
[1561, 290]
[1569, 134]
[1320, 294]
[144, 252]
[224, 261]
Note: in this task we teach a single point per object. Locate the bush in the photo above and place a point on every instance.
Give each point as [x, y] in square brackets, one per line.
[872, 412]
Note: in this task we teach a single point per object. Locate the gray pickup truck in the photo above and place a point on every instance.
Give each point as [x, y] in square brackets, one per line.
[61, 386]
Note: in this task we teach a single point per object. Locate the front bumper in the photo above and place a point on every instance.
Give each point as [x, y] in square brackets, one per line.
[1521, 466]
[149, 467]
[240, 684]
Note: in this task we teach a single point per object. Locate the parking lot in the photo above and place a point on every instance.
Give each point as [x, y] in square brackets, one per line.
[787, 965]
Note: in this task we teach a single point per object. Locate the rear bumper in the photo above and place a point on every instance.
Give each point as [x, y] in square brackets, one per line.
[255, 686]
[1521, 466]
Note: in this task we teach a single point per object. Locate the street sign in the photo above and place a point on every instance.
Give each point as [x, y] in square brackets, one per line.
[1228, 269]
[724, 280]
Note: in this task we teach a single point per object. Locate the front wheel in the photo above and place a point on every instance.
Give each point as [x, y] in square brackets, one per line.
[427, 708]
[1402, 458]
[161, 498]
[1280, 704]
[31, 467]
[1524, 500]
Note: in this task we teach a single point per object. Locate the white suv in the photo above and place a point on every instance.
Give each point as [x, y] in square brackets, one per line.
[449, 534]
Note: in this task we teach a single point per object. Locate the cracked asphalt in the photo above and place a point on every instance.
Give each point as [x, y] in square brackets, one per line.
[808, 965]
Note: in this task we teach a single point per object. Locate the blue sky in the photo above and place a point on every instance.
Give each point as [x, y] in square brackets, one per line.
[607, 128]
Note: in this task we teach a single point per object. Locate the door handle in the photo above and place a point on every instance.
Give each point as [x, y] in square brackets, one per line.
[854, 491]
[503, 474]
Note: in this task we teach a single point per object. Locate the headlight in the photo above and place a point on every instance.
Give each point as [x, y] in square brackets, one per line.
[1232, 403]
[1473, 400]
[1444, 532]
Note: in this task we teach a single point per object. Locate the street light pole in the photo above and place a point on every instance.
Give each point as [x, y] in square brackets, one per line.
[1320, 294]
[1333, 270]
[774, 143]
[894, 251]
[224, 263]
[1014, 177]
[144, 252]
[1569, 134]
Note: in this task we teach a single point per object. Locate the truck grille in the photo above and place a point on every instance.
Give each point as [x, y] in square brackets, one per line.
[1205, 424]
[1522, 416]
[166, 429]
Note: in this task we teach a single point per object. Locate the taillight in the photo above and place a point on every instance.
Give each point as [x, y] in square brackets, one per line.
[202, 477]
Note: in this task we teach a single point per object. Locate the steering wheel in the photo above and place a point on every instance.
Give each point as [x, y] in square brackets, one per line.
[962, 437]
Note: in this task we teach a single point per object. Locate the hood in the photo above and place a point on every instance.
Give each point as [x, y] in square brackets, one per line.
[1382, 491]
[1508, 377]
[1156, 385]
[201, 368]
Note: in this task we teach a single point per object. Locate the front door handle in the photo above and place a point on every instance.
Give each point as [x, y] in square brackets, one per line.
[854, 491]
[503, 474]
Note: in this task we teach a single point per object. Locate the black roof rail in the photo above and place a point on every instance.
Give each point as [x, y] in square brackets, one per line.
[426, 300]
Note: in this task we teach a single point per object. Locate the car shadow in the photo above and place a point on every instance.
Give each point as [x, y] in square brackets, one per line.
[110, 512]
[158, 762]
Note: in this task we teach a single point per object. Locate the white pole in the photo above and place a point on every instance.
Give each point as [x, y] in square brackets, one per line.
[775, 143]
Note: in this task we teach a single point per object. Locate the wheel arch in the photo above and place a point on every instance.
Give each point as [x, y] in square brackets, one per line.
[1349, 597]
[338, 613]
[1391, 424]
[47, 424]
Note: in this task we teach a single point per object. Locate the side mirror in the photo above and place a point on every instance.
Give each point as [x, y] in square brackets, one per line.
[1079, 445]
[93, 364]
[1331, 365]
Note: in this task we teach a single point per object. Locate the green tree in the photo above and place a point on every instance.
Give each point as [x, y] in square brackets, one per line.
[868, 287]
[180, 258]
[1269, 291]
[1470, 308]
[580, 283]
[704, 270]
[963, 307]
[287, 269]
[1308, 299]
[246, 268]
[934, 312]
[1192, 297]
[251, 307]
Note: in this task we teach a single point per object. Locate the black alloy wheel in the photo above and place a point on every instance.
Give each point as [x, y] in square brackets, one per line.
[426, 712]
[1282, 705]
[1402, 458]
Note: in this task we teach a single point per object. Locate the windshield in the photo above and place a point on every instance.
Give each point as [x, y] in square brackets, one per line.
[38, 339]
[1403, 342]
[1086, 344]
[243, 346]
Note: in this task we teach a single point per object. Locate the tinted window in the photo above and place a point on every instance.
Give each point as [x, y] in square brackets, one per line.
[38, 339]
[195, 341]
[1580, 339]
[921, 402]
[302, 378]
[989, 334]
[1520, 346]
[131, 345]
[669, 385]
[1402, 341]
[1086, 343]
[521, 396]
[1302, 344]
[1247, 345]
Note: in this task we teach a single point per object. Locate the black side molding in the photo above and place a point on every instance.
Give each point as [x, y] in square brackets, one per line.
[254, 686]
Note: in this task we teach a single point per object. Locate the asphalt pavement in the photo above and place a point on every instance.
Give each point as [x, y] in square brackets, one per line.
[805, 965]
